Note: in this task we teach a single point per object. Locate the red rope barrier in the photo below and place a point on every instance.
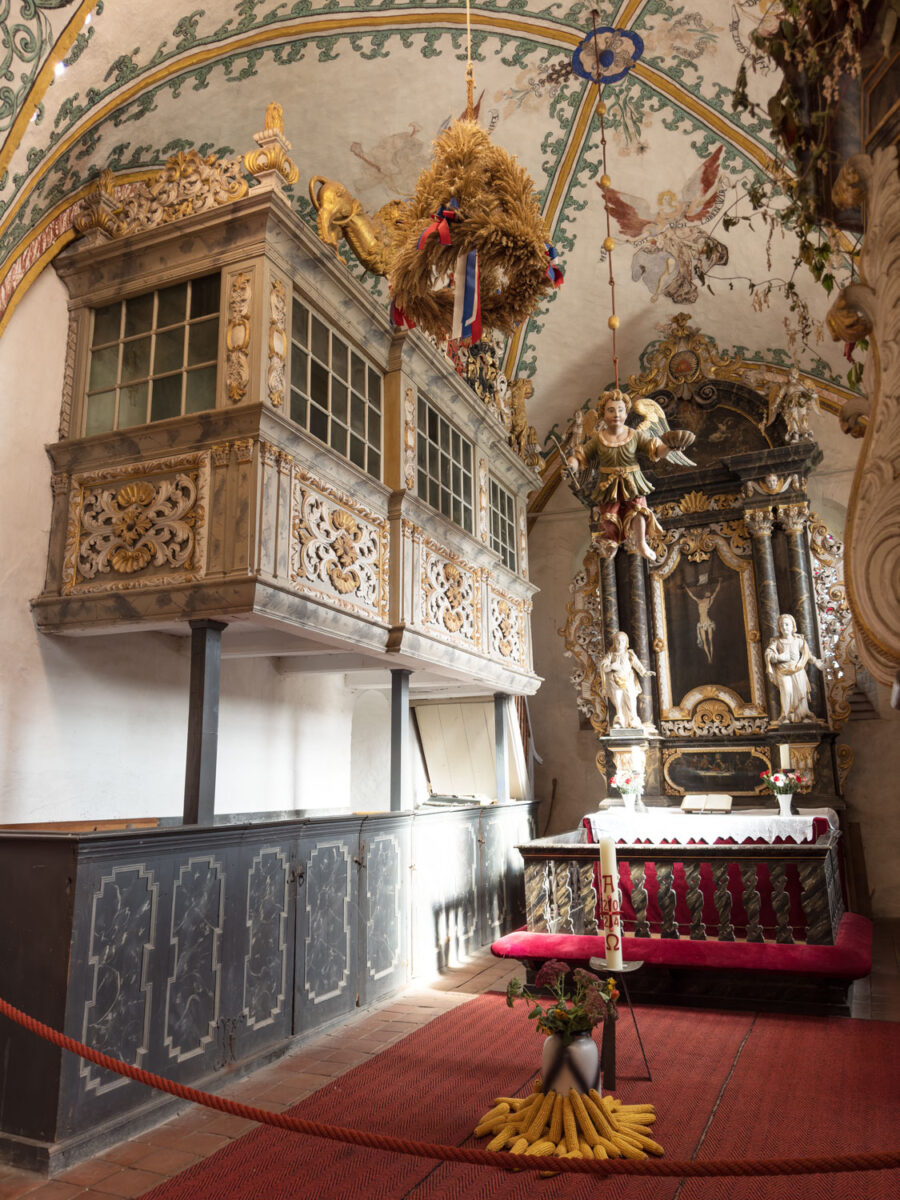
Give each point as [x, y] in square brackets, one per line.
[883, 1161]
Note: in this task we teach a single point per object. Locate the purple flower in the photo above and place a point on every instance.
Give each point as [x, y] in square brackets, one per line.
[587, 978]
[550, 973]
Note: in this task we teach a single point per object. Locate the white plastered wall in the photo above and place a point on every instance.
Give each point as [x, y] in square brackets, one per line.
[95, 728]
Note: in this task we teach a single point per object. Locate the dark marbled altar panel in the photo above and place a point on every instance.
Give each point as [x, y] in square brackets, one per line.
[194, 988]
[265, 967]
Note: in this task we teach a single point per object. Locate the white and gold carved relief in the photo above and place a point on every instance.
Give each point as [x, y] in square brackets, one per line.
[338, 549]
[449, 595]
[237, 339]
[507, 628]
[126, 532]
[275, 382]
[409, 438]
[483, 519]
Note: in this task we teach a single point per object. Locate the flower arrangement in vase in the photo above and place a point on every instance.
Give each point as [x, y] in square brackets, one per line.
[783, 784]
[570, 1057]
[630, 786]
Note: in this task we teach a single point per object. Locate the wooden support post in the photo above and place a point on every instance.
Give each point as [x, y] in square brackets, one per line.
[203, 723]
[501, 744]
[400, 746]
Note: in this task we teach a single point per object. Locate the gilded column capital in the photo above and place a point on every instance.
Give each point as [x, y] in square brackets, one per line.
[759, 522]
[793, 518]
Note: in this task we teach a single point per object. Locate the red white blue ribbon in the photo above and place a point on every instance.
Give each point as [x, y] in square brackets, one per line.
[441, 224]
[399, 319]
[554, 274]
[467, 298]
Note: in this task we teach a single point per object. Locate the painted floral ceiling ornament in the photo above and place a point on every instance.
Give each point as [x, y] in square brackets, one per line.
[606, 55]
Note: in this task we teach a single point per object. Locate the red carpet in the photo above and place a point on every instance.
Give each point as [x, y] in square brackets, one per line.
[780, 1086]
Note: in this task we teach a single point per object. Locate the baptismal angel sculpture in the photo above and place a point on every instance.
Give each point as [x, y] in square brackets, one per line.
[601, 456]
[786, 659]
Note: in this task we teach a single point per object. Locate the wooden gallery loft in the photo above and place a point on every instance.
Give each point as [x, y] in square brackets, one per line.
[250, 456]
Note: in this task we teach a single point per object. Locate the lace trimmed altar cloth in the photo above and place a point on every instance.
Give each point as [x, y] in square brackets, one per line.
[659, 826]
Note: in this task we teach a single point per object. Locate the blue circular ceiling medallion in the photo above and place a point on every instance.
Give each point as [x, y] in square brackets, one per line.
[607, 54]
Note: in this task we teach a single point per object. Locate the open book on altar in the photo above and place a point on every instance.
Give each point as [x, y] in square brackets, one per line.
[706, 802]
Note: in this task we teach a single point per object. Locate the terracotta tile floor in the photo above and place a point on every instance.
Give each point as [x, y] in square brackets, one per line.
[132, 1168]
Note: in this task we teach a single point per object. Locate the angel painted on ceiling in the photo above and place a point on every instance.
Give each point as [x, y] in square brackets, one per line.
[671, 248]
[601, 456]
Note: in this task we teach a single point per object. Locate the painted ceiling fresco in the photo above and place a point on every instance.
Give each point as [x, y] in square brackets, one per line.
[366, 86]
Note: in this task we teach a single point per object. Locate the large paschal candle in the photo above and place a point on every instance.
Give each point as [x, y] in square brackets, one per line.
[609, 902]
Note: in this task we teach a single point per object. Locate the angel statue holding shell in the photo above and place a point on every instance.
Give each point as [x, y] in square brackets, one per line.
[601, 457]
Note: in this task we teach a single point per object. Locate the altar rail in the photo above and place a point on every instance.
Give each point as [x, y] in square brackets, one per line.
[755, 891]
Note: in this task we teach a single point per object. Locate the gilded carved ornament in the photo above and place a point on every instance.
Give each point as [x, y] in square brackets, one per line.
[409, 438]
[119, 525]
[759, 522]
[336, 550]
[771, 485]
[872, 559]
[449, 594]
[699, 543]
[684, 360]
[836, 633]
[793, 518]
[187, 184]
[237, 338]
[582, 634]
[844, 763]
[507, 627]
[483, 519]
[275, 380]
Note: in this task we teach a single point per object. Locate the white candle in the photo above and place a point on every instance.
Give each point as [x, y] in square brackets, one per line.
[784, 756]
[609, 902]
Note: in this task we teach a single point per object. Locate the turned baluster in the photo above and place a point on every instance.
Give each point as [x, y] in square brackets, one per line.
[814, 899]
[564, 897]
[589, 898]
[781, 904]
[722, 898]
[639, 900]
[695, 901]
[752, 902]
[665, 898]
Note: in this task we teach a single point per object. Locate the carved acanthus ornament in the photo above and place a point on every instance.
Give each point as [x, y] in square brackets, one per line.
[803, 761]
[507, 628]
[844, 763]
[275, 381]
[583, 638]
[697, 502]
[449, 594]
[409, 438]
[839, 652]
[699, 543]
[271, 164]
[65, 413]
[759, 522]
[187, 184]
[124, 526]
[337, 549]
[872, 554]
[793, 518]
[237, 339]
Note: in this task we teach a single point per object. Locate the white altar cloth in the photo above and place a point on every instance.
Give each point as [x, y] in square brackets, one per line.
[658, 825]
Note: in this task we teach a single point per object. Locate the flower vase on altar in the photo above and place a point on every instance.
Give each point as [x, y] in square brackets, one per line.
[630, 788]
[783, 784]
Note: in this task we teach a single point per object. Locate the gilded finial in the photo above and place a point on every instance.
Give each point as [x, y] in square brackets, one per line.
[271, 163]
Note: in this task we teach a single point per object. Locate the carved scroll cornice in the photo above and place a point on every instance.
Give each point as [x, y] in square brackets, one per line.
[683, 360]
[237, 338]
[702, 541]
[187, 184]
[338, 548]
[275, 381]
[137, 526]
[872, 555]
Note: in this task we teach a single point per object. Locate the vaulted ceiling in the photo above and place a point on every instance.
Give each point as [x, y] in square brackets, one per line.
[365, 88]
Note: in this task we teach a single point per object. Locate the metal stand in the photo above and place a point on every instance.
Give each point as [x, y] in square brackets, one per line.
[608, 1043]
